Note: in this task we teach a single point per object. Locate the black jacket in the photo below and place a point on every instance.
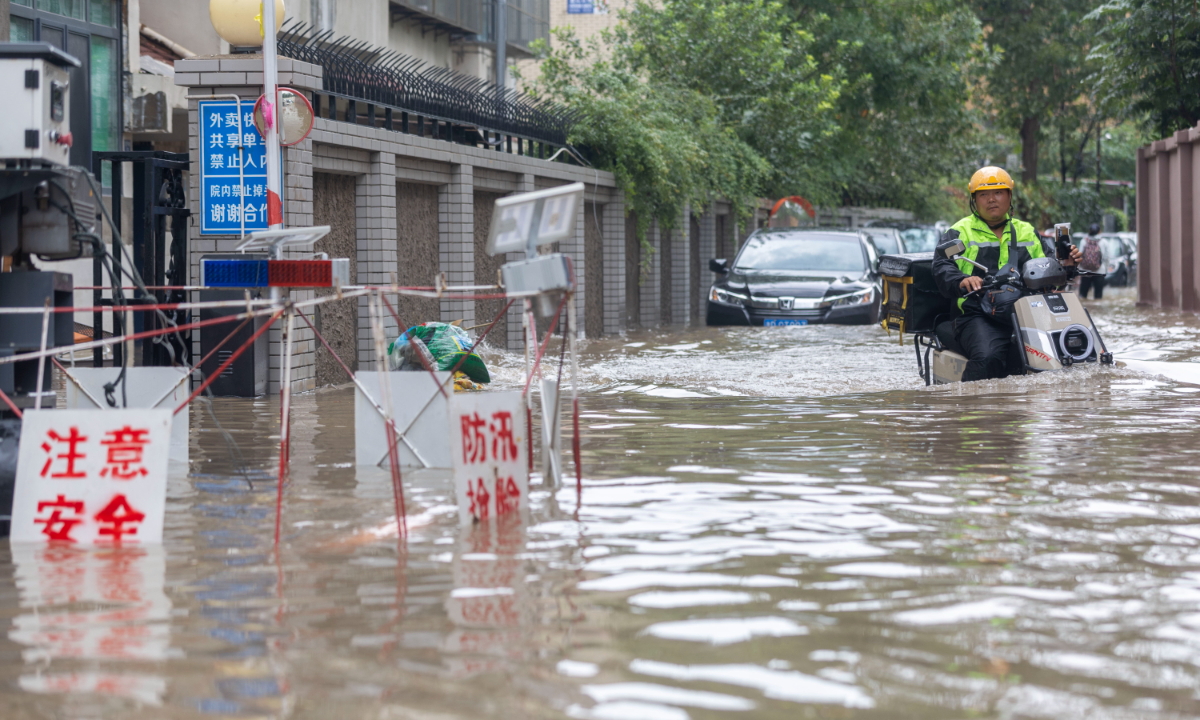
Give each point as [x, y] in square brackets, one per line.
[984, 248]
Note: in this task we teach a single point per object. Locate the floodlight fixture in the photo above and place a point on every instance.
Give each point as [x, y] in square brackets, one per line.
[274, 241]
[525, 221]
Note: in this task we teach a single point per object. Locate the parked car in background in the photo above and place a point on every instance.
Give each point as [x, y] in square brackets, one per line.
[783, 276]
[1120, 267]
[915, 236]
[1131, 247]
[1116, 254]
[887, 240]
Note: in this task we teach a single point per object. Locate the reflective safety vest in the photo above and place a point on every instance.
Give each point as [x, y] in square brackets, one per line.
[984, 248]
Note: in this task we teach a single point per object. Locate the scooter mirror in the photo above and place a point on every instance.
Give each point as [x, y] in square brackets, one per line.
[949, 247]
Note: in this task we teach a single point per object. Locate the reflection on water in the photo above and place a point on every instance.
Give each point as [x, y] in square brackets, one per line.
[78, 606]
[775, 523]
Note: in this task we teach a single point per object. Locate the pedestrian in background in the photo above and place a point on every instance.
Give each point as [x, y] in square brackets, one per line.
[1093, 261]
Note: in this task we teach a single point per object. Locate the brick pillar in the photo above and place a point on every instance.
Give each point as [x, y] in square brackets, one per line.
[297, 212]
[375, 229]
[614, 265]
[1142, 220]
[650, 276]
[456, 252]
[575, 249]
[680, 289]
[1162, 258]
[708, 251]
[242, 76]
[1182, 240]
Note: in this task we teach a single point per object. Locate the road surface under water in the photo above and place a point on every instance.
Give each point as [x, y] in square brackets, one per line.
[775, 523]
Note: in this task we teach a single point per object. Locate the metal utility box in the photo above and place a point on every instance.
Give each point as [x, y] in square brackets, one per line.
[247, 376]
[45, 230]
[36, 90]
[23, 333]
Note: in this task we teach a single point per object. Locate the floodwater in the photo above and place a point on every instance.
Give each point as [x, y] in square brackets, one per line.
[775, 523]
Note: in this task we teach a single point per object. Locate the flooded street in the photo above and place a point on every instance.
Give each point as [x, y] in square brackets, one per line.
[774, 523]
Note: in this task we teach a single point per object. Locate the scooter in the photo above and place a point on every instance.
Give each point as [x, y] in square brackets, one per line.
[1053, 328]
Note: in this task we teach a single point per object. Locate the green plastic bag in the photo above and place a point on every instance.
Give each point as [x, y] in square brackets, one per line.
[448, 344]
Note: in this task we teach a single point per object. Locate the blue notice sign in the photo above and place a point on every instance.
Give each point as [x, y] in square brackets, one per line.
[587, 7]
[229, 143]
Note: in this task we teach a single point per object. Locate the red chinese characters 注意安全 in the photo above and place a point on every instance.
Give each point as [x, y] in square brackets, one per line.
[91, 476]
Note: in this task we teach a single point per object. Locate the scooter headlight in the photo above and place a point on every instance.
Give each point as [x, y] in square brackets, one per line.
[1076, 342]
[862, 297]
[725, 297]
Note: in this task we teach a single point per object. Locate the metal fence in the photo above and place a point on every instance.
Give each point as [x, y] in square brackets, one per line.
[416, 96]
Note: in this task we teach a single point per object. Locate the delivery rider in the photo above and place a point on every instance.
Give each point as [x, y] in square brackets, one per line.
[989, 233]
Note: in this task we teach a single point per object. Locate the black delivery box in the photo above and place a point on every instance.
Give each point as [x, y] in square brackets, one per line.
[911, 300]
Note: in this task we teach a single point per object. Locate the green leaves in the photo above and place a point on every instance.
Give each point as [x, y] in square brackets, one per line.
[694, 100]
[666, 143]
[1148, 58]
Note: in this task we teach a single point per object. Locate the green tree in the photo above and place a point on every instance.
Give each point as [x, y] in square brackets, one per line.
[1148, 52]
[668, 145]
[1043, 46]
[906, 117]
[755, 63]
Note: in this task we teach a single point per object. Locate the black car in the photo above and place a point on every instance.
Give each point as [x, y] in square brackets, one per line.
[916, 237]
[784, 276]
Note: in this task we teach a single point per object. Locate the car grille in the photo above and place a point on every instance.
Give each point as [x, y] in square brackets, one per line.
[801, 314]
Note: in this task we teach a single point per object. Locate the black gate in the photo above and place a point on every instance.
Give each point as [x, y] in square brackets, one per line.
[159, 200]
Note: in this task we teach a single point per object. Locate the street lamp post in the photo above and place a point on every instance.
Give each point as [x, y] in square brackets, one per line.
[271, 118]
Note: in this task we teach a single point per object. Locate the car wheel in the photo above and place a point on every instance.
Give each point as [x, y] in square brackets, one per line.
[1120, 278]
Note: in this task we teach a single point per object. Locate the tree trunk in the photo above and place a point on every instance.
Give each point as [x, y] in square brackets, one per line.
[1062, 152]
[1029, 148]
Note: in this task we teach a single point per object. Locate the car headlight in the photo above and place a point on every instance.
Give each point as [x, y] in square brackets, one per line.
[1112, 267]
[726, 297]
[862, 297]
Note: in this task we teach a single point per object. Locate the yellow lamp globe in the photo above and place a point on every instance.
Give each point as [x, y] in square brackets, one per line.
[238, 21]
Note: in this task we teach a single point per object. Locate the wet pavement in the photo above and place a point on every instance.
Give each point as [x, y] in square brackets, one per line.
[775, 523]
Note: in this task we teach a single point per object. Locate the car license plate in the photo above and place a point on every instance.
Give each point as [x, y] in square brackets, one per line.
[776, 322]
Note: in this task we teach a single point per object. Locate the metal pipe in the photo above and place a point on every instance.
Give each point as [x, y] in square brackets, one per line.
[41, 373]
[165, 41]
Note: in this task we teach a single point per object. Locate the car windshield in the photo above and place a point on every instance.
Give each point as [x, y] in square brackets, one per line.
[885, 241]
[802, 252]
[1112, 247]
[919, 239]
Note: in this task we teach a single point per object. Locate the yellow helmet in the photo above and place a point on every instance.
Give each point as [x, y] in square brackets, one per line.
[989, 178]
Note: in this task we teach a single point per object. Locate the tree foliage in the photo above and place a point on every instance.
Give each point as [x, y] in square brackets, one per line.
[754, 62]
[906, 123]
[877, 102]
[1042, 47]
[667, 144]
[1149, 60]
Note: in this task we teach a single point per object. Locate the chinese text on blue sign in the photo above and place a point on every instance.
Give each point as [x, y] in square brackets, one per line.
[224, 127]
[587, 7]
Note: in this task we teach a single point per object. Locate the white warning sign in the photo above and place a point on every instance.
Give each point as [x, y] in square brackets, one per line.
[92, 477]
[489, 445]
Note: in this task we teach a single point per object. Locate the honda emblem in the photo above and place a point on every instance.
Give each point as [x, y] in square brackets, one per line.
[786, 303]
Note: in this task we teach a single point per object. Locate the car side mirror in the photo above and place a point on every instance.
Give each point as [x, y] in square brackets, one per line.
[719, 265]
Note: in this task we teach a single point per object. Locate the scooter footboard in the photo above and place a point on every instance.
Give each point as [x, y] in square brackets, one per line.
[946, 367]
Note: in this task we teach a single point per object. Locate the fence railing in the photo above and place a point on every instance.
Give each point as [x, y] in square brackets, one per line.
[368, 85]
